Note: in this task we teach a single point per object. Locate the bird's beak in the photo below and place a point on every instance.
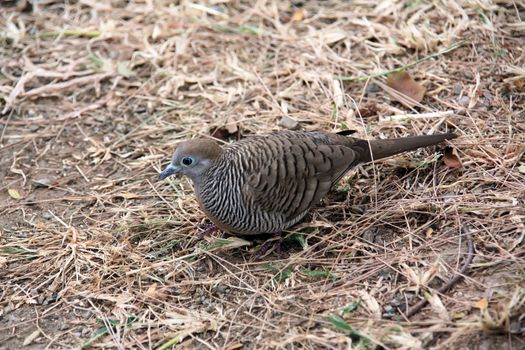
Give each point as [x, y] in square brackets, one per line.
[170, 170]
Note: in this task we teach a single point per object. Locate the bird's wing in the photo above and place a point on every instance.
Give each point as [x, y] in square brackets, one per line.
[296, 173]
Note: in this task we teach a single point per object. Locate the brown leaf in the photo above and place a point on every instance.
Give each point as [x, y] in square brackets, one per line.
[403, 83]
[481, 304]
[451, 158]
[368, 110]
[152, 290]
[519, 83]
[298, 15]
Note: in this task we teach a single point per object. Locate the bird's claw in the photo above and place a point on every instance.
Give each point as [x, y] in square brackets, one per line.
[273, 244]
[207, 230]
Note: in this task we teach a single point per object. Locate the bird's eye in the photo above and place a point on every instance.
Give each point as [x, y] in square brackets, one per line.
[187, 161]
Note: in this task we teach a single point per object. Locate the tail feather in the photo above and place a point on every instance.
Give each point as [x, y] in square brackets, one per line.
[378, 149]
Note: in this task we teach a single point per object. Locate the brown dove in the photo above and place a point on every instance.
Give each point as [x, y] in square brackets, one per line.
[267, 183]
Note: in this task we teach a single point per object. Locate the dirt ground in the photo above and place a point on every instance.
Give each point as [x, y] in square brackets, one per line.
[95, 252]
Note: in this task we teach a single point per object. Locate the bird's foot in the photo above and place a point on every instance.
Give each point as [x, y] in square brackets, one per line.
[207, 230]
[272, 244]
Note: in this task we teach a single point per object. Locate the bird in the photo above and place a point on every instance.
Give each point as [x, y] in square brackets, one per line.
[267, 183]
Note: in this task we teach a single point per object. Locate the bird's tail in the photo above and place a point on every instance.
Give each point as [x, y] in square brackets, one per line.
[377, 149]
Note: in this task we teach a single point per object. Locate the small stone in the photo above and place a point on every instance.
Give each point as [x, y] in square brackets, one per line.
[457, 89]
[515, 327]
[464, 101]
[288, 123]
[372, 89]
[121, 128]
[41, 182]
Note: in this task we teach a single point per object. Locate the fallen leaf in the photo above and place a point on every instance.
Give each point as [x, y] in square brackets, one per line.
[235, 346]
[451, 158]
[371, 304]
[31, 337]
[222, 244]
[368, 110]
[13, 193]
[331, 35]
[298, 15]
[405, 339]
[481, 304]
[437, 306]
[403, 83]
[521, 168]
[127, 195]
[152, 290]
[519, 83]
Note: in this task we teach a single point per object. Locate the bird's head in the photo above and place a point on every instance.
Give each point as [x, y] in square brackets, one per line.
[192, 158]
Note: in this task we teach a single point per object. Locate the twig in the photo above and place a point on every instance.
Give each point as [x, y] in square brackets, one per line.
[54, 88]
[77, 33]
[402, 68]
[470, 255]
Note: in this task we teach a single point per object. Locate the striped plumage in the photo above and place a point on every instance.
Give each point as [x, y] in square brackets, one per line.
[267, 183]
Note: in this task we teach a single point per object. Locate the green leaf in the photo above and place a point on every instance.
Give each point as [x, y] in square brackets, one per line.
[98, 333]
[280, 274]
[345, 186]
[217, 243]
[299, 238]
[104, 329]
[167, 345]
[232, 243]
[423, 164]
[244, 29]
[340, 324]
[352, 307]
[319, 273]
[124, 70]
[97, 61]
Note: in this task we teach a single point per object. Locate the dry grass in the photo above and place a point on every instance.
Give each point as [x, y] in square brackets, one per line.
[96, 251]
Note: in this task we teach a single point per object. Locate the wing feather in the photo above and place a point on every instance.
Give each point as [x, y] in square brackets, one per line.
[297, 172]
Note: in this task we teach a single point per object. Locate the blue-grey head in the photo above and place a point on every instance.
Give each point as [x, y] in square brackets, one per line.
[192, 158]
